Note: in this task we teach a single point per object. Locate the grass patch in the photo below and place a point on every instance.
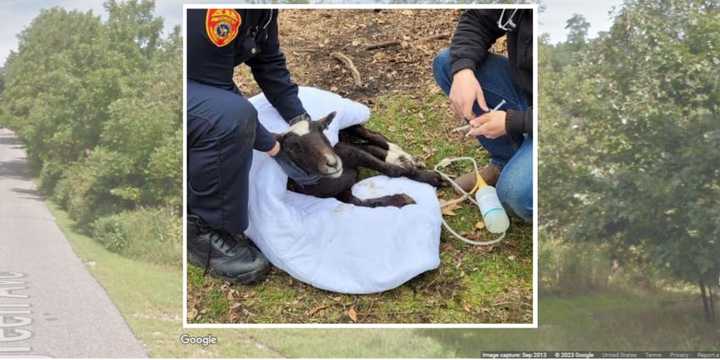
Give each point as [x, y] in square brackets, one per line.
[148, 234]
[616, 321]
[150, 299]
[473, 284]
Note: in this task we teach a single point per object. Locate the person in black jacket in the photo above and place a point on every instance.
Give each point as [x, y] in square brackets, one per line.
[223, 130]
[476, 81]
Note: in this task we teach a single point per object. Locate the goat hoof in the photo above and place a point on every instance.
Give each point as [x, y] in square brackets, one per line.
[400, 200]
[434, 179]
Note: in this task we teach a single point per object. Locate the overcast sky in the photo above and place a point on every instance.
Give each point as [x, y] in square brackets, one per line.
[17, 14]
[557, 12]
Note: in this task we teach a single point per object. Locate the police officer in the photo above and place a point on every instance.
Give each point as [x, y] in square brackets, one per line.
[223, 130]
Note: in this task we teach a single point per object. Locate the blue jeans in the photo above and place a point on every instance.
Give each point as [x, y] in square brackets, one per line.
[514, 186]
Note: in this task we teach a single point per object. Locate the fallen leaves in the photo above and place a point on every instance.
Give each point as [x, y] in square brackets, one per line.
[352, 313]
[316, 310]
[310, 36]
[449, 207]
[192, 314]
[467, 307]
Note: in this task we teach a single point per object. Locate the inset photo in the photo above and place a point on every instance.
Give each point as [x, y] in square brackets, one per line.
[360, 167]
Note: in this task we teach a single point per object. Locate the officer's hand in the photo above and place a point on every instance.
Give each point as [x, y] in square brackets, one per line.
[491, 125]
[465, 91]
[275, 150]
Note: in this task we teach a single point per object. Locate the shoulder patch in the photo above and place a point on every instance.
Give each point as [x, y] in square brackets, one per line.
[222, 25]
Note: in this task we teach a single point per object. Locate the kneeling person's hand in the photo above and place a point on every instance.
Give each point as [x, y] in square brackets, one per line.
[464, 93]
[292, 170]
[491, 125]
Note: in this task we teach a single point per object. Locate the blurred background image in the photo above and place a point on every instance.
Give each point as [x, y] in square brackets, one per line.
[91, 106]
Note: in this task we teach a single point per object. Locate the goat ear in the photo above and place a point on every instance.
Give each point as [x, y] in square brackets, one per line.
[327, 120]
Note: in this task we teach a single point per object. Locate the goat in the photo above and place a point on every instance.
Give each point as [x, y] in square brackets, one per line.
[305, 145]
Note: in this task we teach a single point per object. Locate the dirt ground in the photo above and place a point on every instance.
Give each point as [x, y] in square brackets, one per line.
[310, 37]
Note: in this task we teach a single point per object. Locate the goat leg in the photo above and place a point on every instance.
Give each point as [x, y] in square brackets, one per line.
[363, 133]
[363, 158]
[393, 153]
[397, 200]
[375, 151]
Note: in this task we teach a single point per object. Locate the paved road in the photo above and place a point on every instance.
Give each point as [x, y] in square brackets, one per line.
[49, 304]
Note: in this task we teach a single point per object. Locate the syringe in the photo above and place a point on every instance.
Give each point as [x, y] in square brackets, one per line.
[468, 126]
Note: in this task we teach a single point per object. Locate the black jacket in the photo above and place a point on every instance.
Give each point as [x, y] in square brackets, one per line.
[476, 32]
[252, 40]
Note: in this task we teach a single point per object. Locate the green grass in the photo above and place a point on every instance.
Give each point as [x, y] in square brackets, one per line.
[150, 299]
[473, 284]
[612, 321]
[148, 234]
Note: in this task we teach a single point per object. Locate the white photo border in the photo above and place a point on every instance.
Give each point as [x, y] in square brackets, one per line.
[533, 325]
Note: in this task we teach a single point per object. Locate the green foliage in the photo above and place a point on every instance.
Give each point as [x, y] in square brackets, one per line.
[2, 81]
[150, 234]
[566, 53]
[633, 126]
[50, 175]
[573, 269]
[88, 185]
[98, 105]
[577, 31]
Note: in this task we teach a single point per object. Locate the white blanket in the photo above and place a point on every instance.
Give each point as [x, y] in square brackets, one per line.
[332, 245]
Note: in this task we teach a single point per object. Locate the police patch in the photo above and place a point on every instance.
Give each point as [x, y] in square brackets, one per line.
[222, 25]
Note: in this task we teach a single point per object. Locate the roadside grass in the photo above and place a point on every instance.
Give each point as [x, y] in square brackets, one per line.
[473, 284]
[150, 299]
[610, 321]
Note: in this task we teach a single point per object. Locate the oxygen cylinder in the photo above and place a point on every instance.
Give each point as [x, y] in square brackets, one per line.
[496, 220]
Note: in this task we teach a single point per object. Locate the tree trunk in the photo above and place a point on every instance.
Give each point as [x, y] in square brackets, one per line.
[706, 303]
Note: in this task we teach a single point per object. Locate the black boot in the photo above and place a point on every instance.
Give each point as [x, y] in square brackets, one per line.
[228, 256]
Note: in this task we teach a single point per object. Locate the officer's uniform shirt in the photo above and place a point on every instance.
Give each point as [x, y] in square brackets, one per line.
[220, 39]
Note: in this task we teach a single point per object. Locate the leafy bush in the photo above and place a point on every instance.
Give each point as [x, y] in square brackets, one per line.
[151, 234]
[98, 104]
[50, 175]
[89, 185]
[573, 268]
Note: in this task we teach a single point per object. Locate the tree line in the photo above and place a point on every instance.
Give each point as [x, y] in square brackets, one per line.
[98, 104]
[630, 127]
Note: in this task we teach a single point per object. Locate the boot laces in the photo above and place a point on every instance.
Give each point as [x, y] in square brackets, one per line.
[221, 239]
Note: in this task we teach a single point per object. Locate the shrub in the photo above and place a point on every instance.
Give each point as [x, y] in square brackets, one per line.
[573, 268]
[89, 185]
[50, 175]
[150, 234]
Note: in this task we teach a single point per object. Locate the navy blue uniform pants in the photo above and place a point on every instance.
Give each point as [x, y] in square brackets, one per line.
[220, 136]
